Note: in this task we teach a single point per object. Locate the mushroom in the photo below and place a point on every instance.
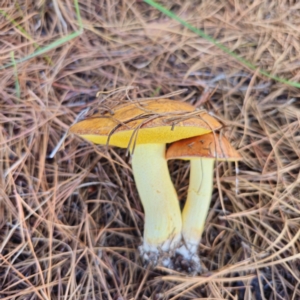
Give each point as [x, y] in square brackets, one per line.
[202, 151]
[145, 128]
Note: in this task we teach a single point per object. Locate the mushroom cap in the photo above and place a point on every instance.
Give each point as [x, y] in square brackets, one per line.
[150, 121]
[211, 145]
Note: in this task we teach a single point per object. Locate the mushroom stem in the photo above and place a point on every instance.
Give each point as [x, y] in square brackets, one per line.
[198, 201]
[162, 212]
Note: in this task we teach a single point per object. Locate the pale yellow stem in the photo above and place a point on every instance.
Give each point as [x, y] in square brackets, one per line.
[162, 212]
[198, 201]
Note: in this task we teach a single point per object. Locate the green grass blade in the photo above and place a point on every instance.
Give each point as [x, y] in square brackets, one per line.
[53, 45]
[17, 84]
[78, 16]
[219, 45]
[23, 31]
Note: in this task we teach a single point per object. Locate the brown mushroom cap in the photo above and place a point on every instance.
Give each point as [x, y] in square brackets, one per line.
[154, 121]
[211, 145]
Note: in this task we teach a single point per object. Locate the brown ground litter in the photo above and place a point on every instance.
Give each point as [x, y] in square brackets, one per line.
[70, 226]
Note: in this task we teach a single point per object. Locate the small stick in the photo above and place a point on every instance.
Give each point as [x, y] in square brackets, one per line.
[54, 151]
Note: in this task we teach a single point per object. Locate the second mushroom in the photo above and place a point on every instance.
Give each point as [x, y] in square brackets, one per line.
[202, 151]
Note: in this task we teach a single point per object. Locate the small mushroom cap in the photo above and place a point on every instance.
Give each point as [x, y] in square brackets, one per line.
[211, 145]
[151, 121]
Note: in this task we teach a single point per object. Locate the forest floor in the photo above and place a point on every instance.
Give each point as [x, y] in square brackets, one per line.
[71, 224]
